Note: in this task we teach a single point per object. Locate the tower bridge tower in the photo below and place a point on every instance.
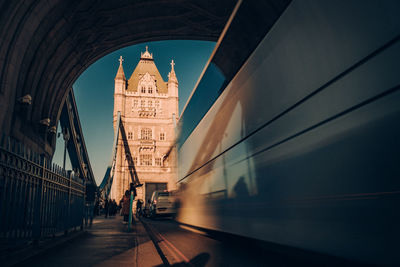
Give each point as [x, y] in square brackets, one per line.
[148, 106]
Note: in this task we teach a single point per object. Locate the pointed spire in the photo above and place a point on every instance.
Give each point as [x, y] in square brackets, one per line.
[146, 54]
[120, 72]
[171, 74]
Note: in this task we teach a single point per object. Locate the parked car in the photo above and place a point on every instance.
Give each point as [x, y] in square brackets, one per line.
[162, 203]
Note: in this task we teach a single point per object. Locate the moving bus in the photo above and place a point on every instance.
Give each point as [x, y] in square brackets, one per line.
[291, 135]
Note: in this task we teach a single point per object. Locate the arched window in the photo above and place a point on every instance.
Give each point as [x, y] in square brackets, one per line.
[146, 159]
[146, 134]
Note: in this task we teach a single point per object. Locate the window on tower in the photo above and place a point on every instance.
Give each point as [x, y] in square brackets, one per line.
[130, 135]
[158, 161]
[146, 160]
[135, 161]
[146, 134]
[162, 136]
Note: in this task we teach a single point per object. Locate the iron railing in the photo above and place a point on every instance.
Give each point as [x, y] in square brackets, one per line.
[37, 198]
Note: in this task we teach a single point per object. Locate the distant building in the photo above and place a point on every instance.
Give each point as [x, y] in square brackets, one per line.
[148, 107]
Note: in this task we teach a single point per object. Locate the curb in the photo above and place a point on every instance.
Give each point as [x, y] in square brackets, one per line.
[169, 254]
[155, 241]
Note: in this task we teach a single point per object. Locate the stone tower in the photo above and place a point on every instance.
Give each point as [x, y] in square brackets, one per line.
[148, 107]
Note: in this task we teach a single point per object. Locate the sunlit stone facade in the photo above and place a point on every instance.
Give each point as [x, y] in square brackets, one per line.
[148, 107]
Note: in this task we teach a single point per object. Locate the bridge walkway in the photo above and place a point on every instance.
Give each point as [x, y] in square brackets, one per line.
[106, 243]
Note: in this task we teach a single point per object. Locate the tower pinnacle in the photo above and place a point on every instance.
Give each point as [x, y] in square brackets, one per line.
[146, 54]
[120, 72]
[171, 74]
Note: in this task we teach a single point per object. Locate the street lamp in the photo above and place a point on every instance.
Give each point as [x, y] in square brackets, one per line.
[66, 139]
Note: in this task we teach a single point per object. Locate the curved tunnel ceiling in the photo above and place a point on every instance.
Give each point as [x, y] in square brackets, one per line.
[46, 45]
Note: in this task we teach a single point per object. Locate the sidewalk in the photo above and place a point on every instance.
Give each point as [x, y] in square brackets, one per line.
[106, 243]
[16, 251]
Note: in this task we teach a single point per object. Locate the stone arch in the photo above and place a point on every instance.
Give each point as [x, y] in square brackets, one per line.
[46, 45]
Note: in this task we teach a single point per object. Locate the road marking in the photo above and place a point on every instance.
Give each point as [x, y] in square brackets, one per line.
[163, 242]
[175, 249]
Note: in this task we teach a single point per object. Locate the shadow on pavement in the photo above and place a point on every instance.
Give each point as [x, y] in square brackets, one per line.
[199, 261]
[108, 239]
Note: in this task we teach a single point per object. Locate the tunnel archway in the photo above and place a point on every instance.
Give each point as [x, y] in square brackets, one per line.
[47, 45]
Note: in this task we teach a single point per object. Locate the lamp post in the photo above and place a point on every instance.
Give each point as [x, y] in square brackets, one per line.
[66, 139]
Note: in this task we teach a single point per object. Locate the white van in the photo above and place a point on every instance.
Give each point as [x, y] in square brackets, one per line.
[162, 203]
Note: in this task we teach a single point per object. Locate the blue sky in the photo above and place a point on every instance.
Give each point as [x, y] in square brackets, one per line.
[94, 91]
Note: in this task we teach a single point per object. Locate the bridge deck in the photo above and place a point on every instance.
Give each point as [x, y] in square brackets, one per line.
[106, 243]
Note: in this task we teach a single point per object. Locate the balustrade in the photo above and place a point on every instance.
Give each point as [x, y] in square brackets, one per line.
[37, 198]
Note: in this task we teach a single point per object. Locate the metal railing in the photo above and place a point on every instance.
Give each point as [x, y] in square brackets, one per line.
[37, 198]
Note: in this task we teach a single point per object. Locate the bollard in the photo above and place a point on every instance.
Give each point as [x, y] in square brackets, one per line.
[130, 212]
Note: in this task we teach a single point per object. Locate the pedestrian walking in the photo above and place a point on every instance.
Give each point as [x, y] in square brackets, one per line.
[106, 207]
[139, 204]
[126, 206]
[97, 208]
[114, 207]
[90, 197]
